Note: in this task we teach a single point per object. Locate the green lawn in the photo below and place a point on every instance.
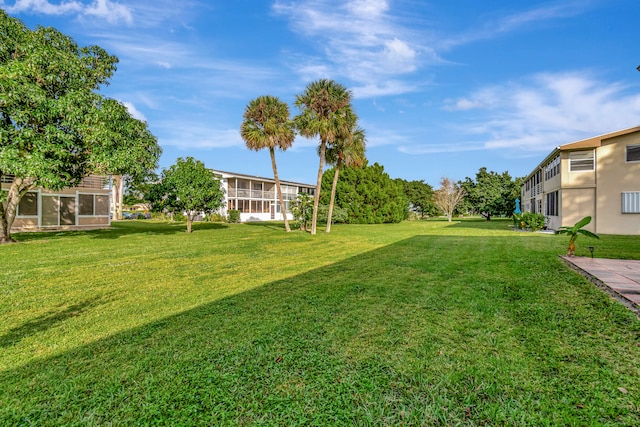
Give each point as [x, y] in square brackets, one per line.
[419, 323]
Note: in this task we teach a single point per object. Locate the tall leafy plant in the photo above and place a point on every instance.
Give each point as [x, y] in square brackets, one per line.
[576, 230]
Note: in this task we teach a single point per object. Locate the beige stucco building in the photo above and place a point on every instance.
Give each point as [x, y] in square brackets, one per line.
[78, 208]
[597, 177]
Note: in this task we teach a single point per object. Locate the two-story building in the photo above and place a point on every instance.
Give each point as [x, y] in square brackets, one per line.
[256, 197]
[597, 177]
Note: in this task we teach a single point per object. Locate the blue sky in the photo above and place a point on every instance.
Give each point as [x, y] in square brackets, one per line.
[441, 88]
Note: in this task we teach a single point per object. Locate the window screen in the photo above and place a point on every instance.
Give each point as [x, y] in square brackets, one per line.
[28, 205]
[86, 204]
[633, 153]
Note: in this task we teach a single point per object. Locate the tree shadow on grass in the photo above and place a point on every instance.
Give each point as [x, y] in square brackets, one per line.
[48, 321]
[119, 229]
[409, 329]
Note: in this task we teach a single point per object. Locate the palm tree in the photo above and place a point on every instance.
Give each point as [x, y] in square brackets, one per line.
[324, 110]
[266, 124]
[346, 151]
[575, 231]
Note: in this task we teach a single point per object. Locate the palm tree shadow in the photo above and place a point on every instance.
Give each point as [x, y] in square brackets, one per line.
[48, 321]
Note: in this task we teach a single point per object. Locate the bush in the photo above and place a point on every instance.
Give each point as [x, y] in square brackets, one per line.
[233, 215]
[214, 217]
[529, 221]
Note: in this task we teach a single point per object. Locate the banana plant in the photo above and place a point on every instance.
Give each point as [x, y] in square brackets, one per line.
[575, 231]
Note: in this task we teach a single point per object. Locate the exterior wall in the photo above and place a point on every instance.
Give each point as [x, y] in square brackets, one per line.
[68, 208]
[576, 203]
[256, 198]
[616, 175]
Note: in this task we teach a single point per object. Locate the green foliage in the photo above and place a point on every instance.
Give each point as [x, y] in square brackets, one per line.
[368, 195]
[491, 193]
[189, 187]
[529, 221]
[55, 128]
[266, 124]
[214, 217]
[574, 231]
[340, 215]
[325, 112]
[302, 210]
[420, 196]
[233, 216]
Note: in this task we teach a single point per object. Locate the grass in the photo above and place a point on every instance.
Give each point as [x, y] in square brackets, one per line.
[421, 323]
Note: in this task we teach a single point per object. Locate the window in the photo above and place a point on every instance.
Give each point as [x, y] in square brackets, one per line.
[552, 168]
[633, 153]
[552, 204]
[28, 205]
[631, 202]
[580, 161]
[93, 204]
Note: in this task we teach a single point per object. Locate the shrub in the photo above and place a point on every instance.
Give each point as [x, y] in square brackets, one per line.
[233, 215]
[529, 221]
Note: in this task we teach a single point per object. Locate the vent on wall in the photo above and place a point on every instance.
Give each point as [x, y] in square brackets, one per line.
[631, 202]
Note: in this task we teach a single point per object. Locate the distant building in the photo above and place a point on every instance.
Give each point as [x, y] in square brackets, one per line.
[597, 177]
[256, 197]
[83, 207]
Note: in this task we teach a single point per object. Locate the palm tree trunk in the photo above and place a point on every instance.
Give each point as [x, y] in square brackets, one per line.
[333, 195]
[283, 208]
[316, 199]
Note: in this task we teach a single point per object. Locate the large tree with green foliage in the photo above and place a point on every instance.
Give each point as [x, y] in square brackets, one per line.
[420, 195]
[347, 151]
[189, 187]
[368, 194]
[325, 108]
[266, 124]
[55, 128]
[491, 193]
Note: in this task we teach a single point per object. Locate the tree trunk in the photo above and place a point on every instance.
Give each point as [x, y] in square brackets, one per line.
[118, 189]
[333, 196]
[283, 208]
[9, 207]
[316, 199]
[189, 221]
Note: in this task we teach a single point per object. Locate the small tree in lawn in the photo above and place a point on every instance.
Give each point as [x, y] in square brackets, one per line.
[448, 197]
[575, 231]
[188, 186]
[302, 209]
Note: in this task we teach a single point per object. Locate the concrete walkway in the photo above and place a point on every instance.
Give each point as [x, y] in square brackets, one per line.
[620, 277]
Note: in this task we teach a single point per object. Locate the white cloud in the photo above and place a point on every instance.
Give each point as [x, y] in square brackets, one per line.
[361, 40]
[135, 113]
[547, 110]
[108, 10]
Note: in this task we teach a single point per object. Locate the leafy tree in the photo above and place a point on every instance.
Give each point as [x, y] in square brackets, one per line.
[347, 150]
[491, 193]
[55, 128]
[325, 108]
[266, 125]
[448, 197]
[420, 195]
[188, 186]
[368, 194]
[574, 231]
